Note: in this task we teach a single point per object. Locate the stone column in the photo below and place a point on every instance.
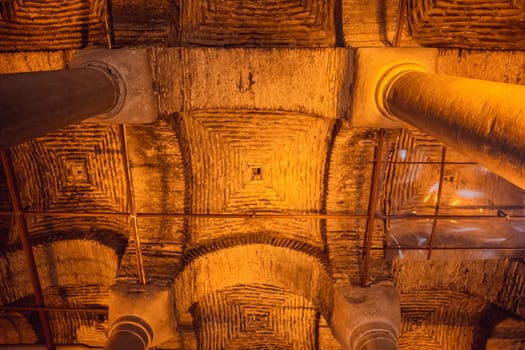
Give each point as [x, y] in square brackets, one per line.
[484, 120]
[366, 318]
[32, 104]
[141, 316]
[131, 333]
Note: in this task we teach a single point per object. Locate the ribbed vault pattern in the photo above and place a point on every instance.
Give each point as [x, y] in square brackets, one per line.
[253, 162]
[489, 279]
[442, 320]
[100, 259]
[471, 24]
[77, 273]
[255, 317]
[461, 304]
[443, 301]
[162, 237]
[51, 24]
[258, 23]
[78, 168]
[237, 273]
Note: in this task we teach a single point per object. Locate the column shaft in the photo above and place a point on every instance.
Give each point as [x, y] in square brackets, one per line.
[366, 318]
[129, 333]
[32, 104]
[483, 120]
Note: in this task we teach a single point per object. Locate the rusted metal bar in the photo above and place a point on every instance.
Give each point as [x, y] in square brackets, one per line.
[430, 163]
[108, 23]
[399, 24]
[26, 246]
[259, 216]
[193, 215]
[438, 201]
[98, 310]
[133, 214]
[444, 248]
[68, 214]
[450, 217]
[263, 216]
[372, 203]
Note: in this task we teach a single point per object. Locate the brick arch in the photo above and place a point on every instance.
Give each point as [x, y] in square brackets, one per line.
[253, 264]
[500, 282]
[255, 316]
[445, 319]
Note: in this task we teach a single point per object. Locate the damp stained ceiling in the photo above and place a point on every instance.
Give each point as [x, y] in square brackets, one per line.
[88, 191]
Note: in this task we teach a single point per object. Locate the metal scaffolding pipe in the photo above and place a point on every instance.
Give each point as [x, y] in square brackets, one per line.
[43, 347]
[484, 120]
[32, 104]
[26, 247]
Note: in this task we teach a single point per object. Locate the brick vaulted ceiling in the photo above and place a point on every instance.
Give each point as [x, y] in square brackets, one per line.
[89, 190]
